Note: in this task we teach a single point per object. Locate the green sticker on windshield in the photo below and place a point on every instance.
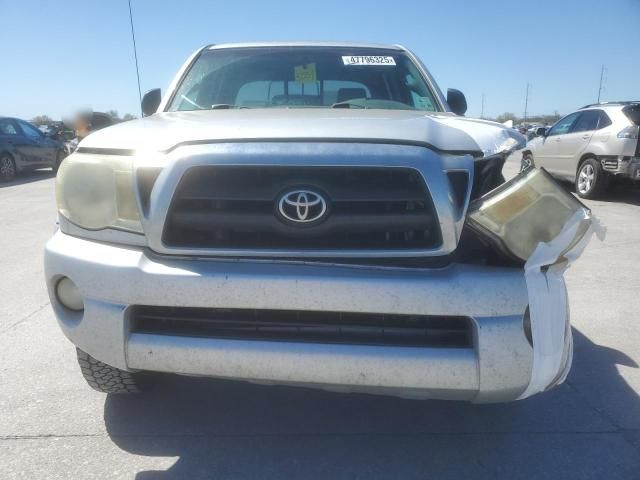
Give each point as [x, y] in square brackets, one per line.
[305, 73]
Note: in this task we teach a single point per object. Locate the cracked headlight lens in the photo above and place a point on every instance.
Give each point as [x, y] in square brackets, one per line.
[97, 192]
[529, 209]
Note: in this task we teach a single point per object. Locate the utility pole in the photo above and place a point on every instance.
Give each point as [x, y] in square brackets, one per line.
[482, 110]
[135, 55]
[526, 104]
[601, 80]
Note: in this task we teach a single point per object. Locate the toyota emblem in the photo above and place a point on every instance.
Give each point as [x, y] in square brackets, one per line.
[302, 206]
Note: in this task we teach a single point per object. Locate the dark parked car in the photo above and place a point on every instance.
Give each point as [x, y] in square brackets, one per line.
[25, 147]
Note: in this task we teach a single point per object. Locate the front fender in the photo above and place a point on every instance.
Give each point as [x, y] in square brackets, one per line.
[534, 144]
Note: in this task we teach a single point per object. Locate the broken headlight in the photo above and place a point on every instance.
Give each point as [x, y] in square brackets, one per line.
[528, 209]
[97, 192]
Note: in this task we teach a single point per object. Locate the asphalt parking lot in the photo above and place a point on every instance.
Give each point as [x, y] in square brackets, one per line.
[52, 425]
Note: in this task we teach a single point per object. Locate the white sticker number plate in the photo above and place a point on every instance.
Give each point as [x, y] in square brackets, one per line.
[367, 60]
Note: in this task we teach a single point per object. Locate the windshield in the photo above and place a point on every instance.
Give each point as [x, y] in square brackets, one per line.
[297, 77]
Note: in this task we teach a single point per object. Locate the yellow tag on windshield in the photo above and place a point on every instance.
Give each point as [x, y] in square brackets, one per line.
[305, 73]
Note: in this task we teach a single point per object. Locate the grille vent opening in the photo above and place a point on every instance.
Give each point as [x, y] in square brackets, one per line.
[305, 326]
[459, 182]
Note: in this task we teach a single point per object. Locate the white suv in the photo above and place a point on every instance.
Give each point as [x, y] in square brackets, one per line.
[590, 147]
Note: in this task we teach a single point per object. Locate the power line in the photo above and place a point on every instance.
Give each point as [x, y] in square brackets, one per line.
[601, 82]
[526, 103]
[135, 55]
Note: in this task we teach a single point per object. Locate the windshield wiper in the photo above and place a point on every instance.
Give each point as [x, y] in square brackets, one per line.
[225, 106]
[188, 100]
[347, 104]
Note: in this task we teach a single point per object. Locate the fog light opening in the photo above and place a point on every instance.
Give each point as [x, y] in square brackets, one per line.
[69, 295]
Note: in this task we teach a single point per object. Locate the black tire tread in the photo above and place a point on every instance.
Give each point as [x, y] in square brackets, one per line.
[105, 378]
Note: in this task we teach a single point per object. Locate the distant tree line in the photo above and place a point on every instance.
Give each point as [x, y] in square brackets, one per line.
[46, 120]
[117, 119]
[41, 120]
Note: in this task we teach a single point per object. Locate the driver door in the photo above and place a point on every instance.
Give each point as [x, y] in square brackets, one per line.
[549, 154]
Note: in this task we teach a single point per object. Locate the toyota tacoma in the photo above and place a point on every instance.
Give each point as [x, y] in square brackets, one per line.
[313, 214]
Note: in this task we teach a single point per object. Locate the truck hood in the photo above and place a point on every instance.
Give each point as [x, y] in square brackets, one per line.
[440, 131]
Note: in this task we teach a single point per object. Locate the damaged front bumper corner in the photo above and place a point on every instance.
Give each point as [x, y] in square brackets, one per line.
[534, 221]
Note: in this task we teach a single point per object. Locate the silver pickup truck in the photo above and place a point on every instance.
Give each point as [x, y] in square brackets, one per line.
[312, 214]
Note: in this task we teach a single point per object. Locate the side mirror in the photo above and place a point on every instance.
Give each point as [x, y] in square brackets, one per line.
[457, 102]
[541, 132]
[151, 102]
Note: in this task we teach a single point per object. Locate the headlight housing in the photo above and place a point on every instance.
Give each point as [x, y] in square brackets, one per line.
[528, 209]
[97, 192]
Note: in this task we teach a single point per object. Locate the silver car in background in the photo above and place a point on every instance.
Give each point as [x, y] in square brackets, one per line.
[590, 147]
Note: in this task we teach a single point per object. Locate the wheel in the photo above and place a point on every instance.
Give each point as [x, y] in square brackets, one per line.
[59, 157]
[7, 167]
[590, 179]
[526, 162]
[107, 379]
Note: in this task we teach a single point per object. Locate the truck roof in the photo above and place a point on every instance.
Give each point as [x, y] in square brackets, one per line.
[304, 44]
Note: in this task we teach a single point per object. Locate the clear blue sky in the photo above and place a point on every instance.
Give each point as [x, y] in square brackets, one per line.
[61, 55]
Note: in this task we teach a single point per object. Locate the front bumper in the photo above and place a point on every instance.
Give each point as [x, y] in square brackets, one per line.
[114, 278]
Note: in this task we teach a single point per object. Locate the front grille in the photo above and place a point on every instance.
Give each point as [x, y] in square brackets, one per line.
[235, 207]
[305, 326]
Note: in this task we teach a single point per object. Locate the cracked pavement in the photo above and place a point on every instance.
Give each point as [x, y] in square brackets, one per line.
[52, 425]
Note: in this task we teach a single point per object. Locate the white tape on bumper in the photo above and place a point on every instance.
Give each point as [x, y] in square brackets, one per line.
[548, 301]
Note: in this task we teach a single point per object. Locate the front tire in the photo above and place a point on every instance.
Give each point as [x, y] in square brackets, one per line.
[107, 379]
[591, 181]
[7, 167]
